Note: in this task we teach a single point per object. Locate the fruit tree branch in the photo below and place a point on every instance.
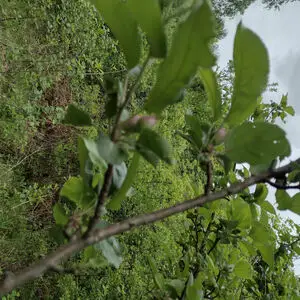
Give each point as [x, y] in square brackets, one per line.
[64, 252]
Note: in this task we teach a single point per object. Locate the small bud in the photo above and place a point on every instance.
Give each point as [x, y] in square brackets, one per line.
[220, 135]
[137, 122]
[131, 123]
[149, 121]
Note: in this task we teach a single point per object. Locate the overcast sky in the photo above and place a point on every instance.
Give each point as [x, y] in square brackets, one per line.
[279, 30]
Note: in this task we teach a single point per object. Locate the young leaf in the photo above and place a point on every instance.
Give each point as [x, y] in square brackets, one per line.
[283, 200]
[189, 50]
[77, 117]
[290, 110]
[148, 15]
[118, 17]
[115, 203]
[241, 213]
[111, 251]
[262, 241]
[198, 130]
[256, 143]
[267, 206]
[261, 193]
[104, 150]
[251, 65]
[213, 92]
[59, 214]
[110, 247]
[243, 269]
[152, 146]
[76, 191]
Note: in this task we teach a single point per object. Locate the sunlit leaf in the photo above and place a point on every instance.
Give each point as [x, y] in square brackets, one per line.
[190, 49]
[251, 65]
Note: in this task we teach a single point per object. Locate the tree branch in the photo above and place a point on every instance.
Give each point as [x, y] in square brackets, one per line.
[282, 187]
[64, 252]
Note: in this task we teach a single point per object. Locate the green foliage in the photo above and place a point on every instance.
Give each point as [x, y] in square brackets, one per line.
[117, 15]
[189, 50]
[148, 16]
[257, 143]
[153, 147]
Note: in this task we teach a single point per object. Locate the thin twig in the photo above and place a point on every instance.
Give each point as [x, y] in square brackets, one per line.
[282, 187]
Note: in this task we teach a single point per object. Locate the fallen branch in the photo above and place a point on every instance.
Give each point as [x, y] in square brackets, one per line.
[53, 260]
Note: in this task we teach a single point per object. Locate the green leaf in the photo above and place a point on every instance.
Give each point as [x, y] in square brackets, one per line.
[89, 253]
[194, 289]
[241, 213]
[290, 110]
[243, 269]
[251, 65]
[104, 150]
[190, 49]
[94, 153]
[296, 204]
[118, 17]
[59, 214]
[266, 205]
[77, 117]
[158, 277]
[76, 191]
[283, 101]
[261, 193]
[119, 174]
[115, 203]
[213, 92]
[294, 176]
[176, 287]
[148, 15]
[197, 135]
[227, 163]
[153, 147]
[262, 241]
[283, 200]
[256, 143]
[110, 248]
